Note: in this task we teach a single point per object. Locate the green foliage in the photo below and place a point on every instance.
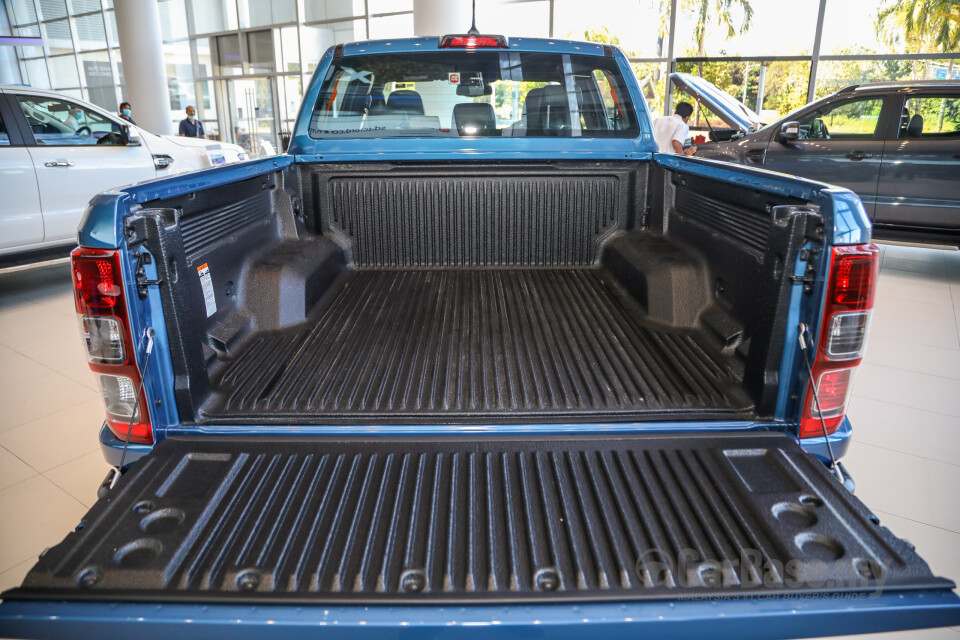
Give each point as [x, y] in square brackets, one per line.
[920, 25]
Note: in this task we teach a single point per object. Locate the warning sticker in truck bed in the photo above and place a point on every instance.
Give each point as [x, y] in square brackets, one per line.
[206, 283]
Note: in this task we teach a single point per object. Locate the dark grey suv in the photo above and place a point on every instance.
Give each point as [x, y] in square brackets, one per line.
[896, 144]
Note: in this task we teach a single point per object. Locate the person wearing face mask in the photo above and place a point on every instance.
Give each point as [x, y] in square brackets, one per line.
[190, 126]
[125, 112]
[75, 119]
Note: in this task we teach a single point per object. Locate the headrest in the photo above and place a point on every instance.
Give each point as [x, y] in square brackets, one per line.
[915, 128]
[474, 118]
[405, 101]
[548, 112]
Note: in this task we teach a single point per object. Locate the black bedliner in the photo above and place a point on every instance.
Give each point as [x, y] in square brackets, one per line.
[477, 344]
[475, 520]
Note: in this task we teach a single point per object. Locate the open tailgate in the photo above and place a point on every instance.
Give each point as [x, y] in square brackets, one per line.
[675, 536]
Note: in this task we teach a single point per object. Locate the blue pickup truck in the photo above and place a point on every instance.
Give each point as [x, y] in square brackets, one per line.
[470, 360]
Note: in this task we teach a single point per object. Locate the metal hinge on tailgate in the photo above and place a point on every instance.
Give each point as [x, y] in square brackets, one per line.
[813, 231]
[135, 233]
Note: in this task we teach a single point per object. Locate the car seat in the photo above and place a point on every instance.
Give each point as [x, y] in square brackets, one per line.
[548, 112]
[474, 119]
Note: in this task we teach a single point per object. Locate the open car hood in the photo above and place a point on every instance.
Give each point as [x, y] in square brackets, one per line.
[729, 109]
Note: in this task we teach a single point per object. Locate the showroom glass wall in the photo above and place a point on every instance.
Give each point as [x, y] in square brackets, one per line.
[244, 63]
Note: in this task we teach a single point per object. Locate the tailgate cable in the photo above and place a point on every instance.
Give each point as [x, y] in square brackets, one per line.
[804, 330]
[149, 333]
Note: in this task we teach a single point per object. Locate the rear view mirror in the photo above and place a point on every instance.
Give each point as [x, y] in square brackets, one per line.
[789, 131]
[130, 136]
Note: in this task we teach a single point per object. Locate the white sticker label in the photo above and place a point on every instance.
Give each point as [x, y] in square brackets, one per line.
[206, 283]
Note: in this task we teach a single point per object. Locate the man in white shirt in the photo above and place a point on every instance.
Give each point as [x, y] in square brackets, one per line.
[671, 132]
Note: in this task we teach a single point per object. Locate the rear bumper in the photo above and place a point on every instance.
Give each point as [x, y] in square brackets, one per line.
[746, 619]
[112, 448]
[839, 442]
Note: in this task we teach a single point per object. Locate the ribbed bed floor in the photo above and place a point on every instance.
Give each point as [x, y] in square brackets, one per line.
[475, 343]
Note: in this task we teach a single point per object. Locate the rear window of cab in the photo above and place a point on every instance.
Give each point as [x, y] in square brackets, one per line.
[473, 94]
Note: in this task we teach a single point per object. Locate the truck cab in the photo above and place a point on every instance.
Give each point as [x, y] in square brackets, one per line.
[472, 360]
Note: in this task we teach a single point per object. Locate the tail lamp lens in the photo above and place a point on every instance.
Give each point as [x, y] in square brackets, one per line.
[843, 338]
[468, 41]
[855, 278]
[847, 335]
[96, 281]
[833, 389]
[120, 396]
[103, 336]
[98, 290]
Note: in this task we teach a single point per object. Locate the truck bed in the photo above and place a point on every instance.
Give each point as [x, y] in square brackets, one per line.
[431, 293]
[471, 343]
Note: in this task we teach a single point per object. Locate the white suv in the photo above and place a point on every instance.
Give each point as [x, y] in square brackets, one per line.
[57, 152]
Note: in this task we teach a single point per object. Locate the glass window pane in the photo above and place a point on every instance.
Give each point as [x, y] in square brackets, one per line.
[214, 15]
[24, 11]
[317, 39]
[52, 9]
[84, 6]
[58, 39]
[765, 33]
[265, 12]
[228, 55]
[479, 93]
[63, 72]
[400, 26]
[833, 75]
[847, 120]
[62, 123]
[933, 117]
[332, 9]
[260, 53]
[290, 49]
[389, 6]
[37, 74]
[32, 31]
[90, 32]
[98, 77]
[112, 29]
[176, 58]
[207, 110]
[636, 27]
[204, 61]
[173, 20]
[531, 19]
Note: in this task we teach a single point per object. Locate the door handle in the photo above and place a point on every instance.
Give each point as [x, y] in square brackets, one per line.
[858, 155]
[58, 163]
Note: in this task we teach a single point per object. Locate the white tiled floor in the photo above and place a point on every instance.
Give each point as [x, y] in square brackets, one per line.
[906, 412]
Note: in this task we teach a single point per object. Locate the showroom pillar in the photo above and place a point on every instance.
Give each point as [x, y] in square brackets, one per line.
[440, 17]
[141, 51]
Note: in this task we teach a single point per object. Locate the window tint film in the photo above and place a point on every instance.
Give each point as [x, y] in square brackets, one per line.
[848, 120]
[931, 117]
[62, 123]
[473, 94]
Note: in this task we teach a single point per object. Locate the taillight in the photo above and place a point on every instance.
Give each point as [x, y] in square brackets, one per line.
[469, 41]
[105, 327]
[843, 336]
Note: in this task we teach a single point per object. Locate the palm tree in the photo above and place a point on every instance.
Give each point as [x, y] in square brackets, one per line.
[924, 26]
[723, 10]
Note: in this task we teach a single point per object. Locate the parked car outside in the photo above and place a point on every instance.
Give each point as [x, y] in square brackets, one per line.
[896, 144]
[57, 152]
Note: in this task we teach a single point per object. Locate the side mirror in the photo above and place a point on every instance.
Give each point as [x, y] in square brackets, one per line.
[130, 136]
[789, 131]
